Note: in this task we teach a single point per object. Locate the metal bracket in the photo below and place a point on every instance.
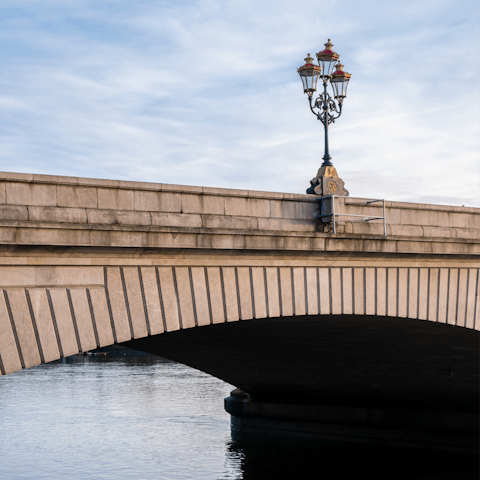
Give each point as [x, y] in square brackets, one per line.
[364, 218]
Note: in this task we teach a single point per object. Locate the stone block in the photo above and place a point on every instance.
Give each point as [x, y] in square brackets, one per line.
[265, 242]
[406, 230]
[224, 192]
[15, 276]
[44, 323]
[473, 221]
[204, 204]
[132, 185]
[198, 276]
[176, 220]
[11, 212]
[49, 236]
[3, 194]
[439, 232]
[298, 210]
[292, 225]
[31, 194]
[27, 343]
[120, 238]
[168, 298]
[170, 202]
[134, 299]
[270, 224]
[336, 294]
[8, 235]
[393, 215]
[60, 215]
[78, 276]
[467, 233]
[458, 220]
[299, 297]
[368, 228]
[276, 208]
[300, 197]
[158, 201]
[286, 303]
[118, 217]
[422, 217]
[80, 197]
[152, 300]
[38, 178]
[83, 319]
[185, 299]
[273, 293]
[217, 241]
[115, 199]
[266, 195]
[230, 290]
[227, 222]
[192, 203]
[98, 182]
[215, 294]
[46, 276]
[147, 201]
[347, 290]
[100, 238]
[62, 315]
[247, 207]
[244, 289]
[298, 243]
[181, 188]
[100, 316]
[21, 177]
[123, 330]
[171, 240]
[258, 279]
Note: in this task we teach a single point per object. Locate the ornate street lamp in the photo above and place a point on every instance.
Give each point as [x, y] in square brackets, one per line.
[327, 109]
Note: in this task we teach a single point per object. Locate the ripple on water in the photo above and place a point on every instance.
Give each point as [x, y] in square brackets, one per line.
[147, 418]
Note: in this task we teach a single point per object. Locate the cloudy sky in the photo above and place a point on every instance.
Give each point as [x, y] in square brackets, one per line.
[206, 93]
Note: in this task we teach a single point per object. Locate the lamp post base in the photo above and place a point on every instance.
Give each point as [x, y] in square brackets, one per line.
[327, 182]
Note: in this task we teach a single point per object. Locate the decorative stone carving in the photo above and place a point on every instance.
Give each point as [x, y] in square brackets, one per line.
[327, 182]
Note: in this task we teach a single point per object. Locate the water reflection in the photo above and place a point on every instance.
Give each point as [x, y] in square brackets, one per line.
[150, 418]
[293, 460]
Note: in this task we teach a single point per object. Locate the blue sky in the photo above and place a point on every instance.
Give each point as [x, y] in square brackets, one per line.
[206, 93]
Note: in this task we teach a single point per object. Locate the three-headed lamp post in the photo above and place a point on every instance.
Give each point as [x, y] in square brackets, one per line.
[327, 109]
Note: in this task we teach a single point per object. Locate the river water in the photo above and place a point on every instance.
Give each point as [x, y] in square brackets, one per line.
[150, 418]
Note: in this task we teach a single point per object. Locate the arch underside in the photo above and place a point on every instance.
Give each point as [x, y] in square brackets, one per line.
[334, 359]
[52, 312]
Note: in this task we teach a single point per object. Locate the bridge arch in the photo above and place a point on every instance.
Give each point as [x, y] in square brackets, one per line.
[51, 312]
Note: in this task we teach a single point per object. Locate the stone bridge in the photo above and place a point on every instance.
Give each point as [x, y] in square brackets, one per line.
[355, 318]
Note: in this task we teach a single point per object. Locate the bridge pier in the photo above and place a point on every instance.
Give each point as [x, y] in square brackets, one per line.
[261, 419]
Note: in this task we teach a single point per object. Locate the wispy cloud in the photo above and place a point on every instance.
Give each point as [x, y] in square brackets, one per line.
[206, 93]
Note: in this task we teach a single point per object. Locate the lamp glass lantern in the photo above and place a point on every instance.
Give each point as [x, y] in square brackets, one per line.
[309, 74]
[326, 59]
[339, 81]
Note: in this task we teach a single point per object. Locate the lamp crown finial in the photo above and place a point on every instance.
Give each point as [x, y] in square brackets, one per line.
[309, 59]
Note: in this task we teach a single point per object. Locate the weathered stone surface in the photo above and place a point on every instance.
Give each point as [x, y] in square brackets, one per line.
[54, 214]
[31, 194]
[115, 199]
[109, 261]
[75, 196]
[11, 212]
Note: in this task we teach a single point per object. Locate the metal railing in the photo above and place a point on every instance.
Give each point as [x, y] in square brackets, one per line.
[364, 218]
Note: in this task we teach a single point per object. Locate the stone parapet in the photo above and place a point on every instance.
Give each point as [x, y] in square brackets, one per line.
[67, 211]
